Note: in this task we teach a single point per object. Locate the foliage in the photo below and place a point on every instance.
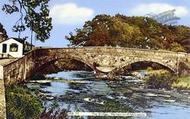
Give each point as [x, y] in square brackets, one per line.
[182, 82]
[34, 14]
[3, 31]
[177, 47]
[21, 104]
[135, 32]
[160, 79]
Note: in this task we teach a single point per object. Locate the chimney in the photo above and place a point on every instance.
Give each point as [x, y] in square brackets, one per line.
[1, 37]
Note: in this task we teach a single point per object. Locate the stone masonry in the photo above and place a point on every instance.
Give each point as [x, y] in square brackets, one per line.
[2, 100]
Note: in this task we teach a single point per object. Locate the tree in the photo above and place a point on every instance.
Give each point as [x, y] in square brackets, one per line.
[133, 32]
[34, 14]
[3, 31]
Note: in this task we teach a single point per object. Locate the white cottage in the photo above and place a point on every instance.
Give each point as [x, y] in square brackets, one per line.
[11, 47]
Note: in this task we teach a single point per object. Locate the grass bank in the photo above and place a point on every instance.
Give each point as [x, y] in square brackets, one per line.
[21, 104]
[159, 79]
[182, 83]
[164, 79]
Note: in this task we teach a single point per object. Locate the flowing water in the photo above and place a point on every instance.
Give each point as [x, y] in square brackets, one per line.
[79, 91]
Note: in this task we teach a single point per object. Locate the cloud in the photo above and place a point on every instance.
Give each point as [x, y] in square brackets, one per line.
[70, 13]
[143, 9]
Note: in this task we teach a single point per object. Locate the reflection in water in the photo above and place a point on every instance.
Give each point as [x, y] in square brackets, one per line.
[73, 75]
[82, 94]
[98, 88]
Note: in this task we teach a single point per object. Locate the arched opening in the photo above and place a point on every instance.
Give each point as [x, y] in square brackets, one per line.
[62, 64]
[142, 65]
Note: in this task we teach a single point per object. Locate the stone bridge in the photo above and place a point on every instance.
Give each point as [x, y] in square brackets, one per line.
[101, 60]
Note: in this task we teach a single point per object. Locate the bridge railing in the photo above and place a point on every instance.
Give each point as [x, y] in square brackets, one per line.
[109, 47]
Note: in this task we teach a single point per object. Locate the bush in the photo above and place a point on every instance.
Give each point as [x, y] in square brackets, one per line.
[182, 82]
[160, 79]
[21, 104]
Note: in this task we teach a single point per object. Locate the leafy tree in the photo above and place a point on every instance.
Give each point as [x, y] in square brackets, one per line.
[34, 14]
[3, 31]
[177, 47]
[125, 33]
[134, 32]
[94, 32]
[182, 32]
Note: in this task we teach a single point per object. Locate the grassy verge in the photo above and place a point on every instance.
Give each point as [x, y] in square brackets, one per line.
[21, 104]
[182, 83]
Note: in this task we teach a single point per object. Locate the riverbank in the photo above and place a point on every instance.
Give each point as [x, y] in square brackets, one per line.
[164, 79]
[182, 83]
[156, 79]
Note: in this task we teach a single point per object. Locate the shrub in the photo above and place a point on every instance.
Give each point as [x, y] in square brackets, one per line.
[160, 79]
[21, 104]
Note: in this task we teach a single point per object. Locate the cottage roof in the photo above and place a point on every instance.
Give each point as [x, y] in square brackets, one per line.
[20, 40]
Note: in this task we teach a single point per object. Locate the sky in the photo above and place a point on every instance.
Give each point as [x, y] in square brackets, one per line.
[68, 15]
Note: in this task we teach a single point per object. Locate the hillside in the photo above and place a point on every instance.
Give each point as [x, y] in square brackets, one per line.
[133, 32]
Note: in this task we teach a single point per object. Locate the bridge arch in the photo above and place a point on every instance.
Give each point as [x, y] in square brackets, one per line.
[55, 65]
[129, 66]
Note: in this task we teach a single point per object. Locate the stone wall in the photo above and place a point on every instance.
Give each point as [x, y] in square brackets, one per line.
[1, 74]
[19, 70]
[2, 100]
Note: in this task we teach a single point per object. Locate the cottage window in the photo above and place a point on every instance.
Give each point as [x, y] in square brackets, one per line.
[13, 47]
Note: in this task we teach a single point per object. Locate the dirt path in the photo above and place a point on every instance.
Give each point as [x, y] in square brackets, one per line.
[2, 100]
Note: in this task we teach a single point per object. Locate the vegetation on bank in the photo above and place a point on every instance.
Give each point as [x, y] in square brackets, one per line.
[134, 32]
[165, 79]
[182, 83]
[21, 104]
[160, 79]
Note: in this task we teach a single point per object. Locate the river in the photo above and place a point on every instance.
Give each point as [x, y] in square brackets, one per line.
[79, 91]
